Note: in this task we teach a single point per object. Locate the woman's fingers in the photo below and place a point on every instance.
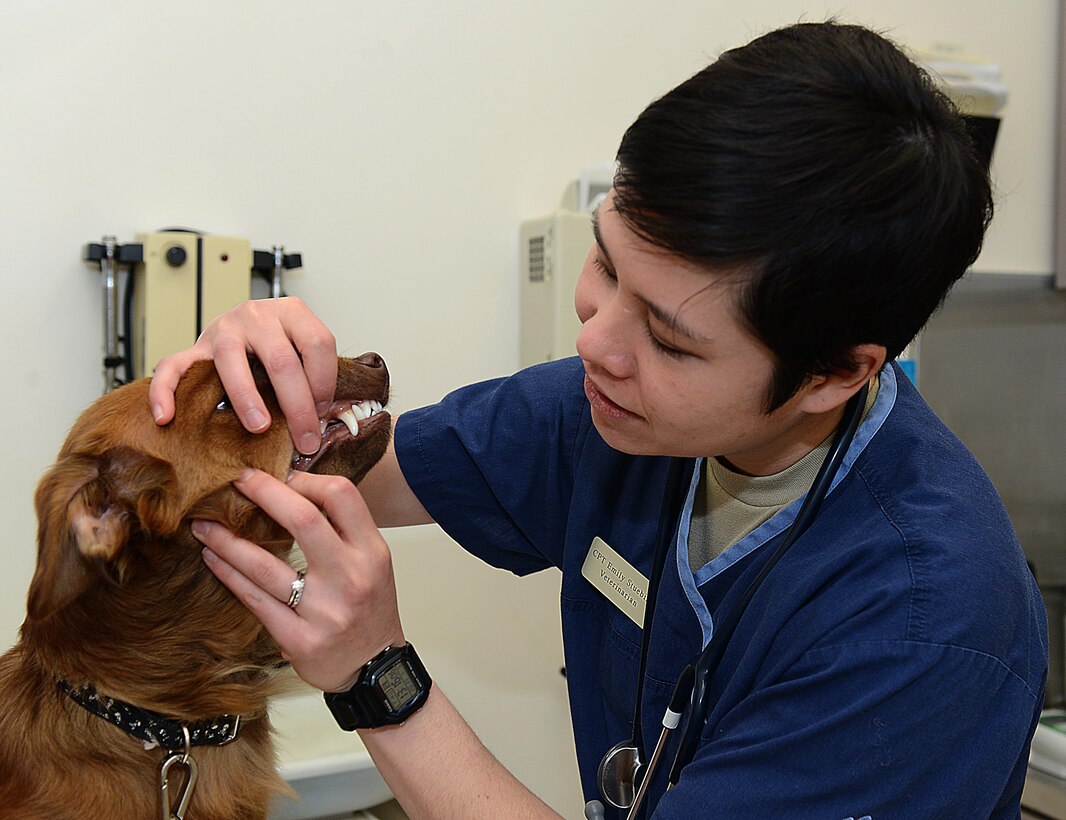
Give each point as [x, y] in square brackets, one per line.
[347, 613]
[165, 381]
[231, 362]
[297, 350]
[298, 515]
[318, 352]
[256, 579]
[275, 330]
[300, 357]
[339, 499]
[335, 530]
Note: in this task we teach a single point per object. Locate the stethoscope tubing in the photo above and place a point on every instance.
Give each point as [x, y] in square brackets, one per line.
[675, 477]
[711, 656]
[671, 720]
[694, 682]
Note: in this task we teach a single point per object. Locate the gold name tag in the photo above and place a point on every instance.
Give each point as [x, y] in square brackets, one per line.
[616, 578]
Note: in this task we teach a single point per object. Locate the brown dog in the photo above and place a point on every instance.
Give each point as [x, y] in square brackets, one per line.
[125, 620]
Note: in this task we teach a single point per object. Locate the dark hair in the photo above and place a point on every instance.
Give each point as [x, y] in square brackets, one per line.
[825, 165]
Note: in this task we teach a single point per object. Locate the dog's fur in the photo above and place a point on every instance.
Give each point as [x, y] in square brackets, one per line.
[121, 600]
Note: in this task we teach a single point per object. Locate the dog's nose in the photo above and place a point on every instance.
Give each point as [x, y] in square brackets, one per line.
[371, 360]
[375, 362]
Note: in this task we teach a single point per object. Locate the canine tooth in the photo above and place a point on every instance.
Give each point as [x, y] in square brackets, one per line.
[350, 420]
[322, 426]
[360, 412]
[366, 407]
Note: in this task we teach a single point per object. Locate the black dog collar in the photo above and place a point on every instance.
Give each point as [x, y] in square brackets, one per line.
[151, 727]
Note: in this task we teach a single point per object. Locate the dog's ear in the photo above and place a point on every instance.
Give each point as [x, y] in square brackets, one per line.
[87, 508]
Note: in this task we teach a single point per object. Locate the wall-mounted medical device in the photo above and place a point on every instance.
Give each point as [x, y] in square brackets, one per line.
[175, 283]
[977, 89]
[553, 249]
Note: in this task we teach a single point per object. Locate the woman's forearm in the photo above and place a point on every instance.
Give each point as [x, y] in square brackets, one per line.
[438, 768]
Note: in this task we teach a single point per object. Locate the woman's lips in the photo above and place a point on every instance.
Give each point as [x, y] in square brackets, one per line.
[604, 405]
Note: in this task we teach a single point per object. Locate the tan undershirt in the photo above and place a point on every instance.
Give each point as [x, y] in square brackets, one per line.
[729, 505]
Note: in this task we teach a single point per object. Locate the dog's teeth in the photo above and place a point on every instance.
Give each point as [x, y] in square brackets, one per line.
[360, 412]
[375, 407]
[350, 420]
[367, 407]
[322, 426]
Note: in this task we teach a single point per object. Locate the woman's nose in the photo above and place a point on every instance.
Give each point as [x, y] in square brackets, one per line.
[601, 342]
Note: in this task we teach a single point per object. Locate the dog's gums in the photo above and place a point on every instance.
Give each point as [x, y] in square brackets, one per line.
[344, 421]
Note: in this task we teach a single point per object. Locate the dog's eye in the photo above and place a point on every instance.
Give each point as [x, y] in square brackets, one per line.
[224, 403]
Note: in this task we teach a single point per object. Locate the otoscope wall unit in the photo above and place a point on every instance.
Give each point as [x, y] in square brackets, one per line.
[163, 289]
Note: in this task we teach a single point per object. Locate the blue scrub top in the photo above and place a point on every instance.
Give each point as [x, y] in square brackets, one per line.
[892, 665]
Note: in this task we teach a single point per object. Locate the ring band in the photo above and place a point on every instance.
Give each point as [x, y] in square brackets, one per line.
[297, 590]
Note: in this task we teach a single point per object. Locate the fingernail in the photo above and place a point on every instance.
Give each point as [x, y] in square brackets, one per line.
[199, 528]
[256, 420]
[209, 557]
[309, 443]
[246, 475]
[322, 408]
[157, 412]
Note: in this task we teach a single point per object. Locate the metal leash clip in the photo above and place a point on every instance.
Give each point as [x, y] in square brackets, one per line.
[184, 760]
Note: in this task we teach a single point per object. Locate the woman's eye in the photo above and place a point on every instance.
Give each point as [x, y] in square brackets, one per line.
[664, 348]
[602, 268]
[658, 344]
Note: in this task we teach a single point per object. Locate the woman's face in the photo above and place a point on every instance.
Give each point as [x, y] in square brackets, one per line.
[670, 369]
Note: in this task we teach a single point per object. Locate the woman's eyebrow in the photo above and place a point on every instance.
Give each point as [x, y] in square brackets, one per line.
[597, 235]
[672, 321]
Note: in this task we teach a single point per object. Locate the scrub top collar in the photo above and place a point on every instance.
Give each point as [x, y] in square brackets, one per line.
[692, 581]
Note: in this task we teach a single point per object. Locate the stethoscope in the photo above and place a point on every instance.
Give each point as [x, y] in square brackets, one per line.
[623, 777]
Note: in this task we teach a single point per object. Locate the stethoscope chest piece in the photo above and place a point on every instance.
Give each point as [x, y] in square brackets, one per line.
[621, 771]
[618, 774]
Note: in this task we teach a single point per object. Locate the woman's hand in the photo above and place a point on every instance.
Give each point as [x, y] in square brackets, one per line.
[433, 762]
[297, 350]
[347, 613]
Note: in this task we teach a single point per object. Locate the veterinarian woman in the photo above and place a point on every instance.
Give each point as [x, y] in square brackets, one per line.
[780, 226]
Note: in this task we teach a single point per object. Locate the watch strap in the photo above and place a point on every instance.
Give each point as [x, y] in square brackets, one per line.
[367, 704]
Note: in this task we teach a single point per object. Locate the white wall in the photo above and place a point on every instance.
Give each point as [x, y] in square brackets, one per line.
[397, 146]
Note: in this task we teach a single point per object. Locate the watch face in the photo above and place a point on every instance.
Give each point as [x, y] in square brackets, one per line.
[398, 685]
[392, 687]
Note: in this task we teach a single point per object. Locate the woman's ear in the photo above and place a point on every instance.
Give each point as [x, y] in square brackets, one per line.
[828, 391]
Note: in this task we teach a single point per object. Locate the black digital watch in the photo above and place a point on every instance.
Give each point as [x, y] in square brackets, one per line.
[391, 688]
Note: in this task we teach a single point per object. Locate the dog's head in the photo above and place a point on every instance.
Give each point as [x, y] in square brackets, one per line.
[120, 498]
